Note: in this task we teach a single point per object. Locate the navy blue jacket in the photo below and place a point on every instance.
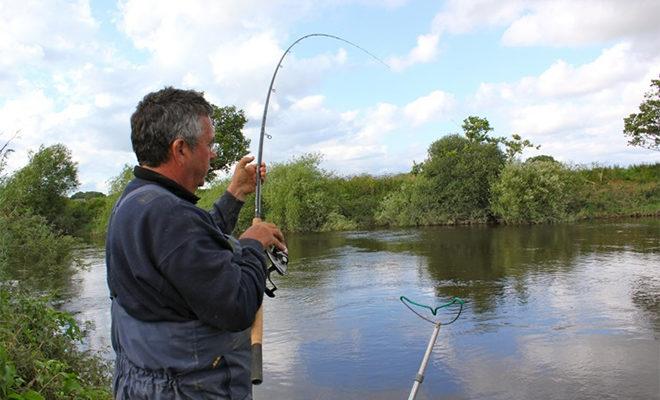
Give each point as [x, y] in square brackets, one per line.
[168, 260]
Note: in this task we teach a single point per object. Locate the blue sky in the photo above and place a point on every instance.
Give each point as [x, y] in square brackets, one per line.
[563, 74]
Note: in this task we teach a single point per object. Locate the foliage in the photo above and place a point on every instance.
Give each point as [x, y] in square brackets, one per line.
[514, 147]
[476, 130]
[643, 127]
[31, 251]
[230, 142]
[409, 206]
[337, 222]
[86, 195]
[117, 186]
[460, 174]
[78, 218]
[296, 196]
[617, 191]
[359, 197]
[39, 355]
[307, 198]
[542, 157]
[40, 187]
[532, 192]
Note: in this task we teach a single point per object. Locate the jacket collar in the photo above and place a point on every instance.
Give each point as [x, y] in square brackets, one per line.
[167, 183]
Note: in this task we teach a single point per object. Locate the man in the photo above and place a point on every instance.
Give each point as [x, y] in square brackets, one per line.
[184, 293]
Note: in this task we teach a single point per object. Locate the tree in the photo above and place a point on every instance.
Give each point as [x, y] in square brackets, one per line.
[228, 122]
[643, 128]
[42, 185]
[515, 146]
[476, 130]
[461, 172]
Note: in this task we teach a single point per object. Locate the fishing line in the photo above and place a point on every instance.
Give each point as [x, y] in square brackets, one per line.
[257, 205]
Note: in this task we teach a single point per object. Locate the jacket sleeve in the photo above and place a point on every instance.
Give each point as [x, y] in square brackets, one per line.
[225, 212]
[222, 289]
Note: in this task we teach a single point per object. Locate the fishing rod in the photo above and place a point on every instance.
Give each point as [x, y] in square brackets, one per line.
[279, 259]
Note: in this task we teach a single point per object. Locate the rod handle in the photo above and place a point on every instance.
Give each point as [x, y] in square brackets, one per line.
[257, 338]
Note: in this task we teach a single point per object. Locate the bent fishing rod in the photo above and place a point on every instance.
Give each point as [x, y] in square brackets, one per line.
[279, 260]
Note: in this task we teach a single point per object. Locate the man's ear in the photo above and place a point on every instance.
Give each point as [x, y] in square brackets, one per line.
[178, 150]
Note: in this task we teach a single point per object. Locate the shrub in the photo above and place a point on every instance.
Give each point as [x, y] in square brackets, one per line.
[32, 252]
[295, 197]
[39, 355]
[117, 186]
[532, 192]
[460, 175]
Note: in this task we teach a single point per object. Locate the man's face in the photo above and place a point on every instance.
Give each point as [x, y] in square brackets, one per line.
[203, 152]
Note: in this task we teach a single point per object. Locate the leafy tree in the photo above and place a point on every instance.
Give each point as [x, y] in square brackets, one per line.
[476, 130]
[42, 185]
[231, 144]
[515, 146]
[643, 128]
[461, 172]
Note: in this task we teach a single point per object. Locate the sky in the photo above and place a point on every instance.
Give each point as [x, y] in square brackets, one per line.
[562, 74]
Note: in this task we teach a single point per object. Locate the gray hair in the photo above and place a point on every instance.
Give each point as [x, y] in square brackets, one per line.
[164, 116]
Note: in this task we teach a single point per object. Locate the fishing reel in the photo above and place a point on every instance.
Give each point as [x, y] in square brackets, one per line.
[279, 261]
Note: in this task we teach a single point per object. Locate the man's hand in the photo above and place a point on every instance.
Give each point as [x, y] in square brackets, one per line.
[266, 233]
[244, 180]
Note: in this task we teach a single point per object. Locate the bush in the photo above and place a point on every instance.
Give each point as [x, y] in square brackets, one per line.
[533, 192]
[39, 355]
[359, 197]
[295, 197]
[408, 206]
[117, 186]
[32, 252]
[461, 174]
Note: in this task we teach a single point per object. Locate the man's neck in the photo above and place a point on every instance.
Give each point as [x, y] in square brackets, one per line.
[173, 173]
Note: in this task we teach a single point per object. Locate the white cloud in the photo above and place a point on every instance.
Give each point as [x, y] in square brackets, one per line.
[571, 23]
[428, 108]
[541, 22]
[460, 16]
[426, 50]
[576, 112]
[308, 103]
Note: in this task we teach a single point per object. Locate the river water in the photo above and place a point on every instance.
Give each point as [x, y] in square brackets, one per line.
[551, 312]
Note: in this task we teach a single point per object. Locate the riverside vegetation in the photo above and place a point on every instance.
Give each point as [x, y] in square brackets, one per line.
[467, 178]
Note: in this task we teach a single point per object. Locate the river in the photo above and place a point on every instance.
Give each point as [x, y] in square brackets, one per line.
[551, 312]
